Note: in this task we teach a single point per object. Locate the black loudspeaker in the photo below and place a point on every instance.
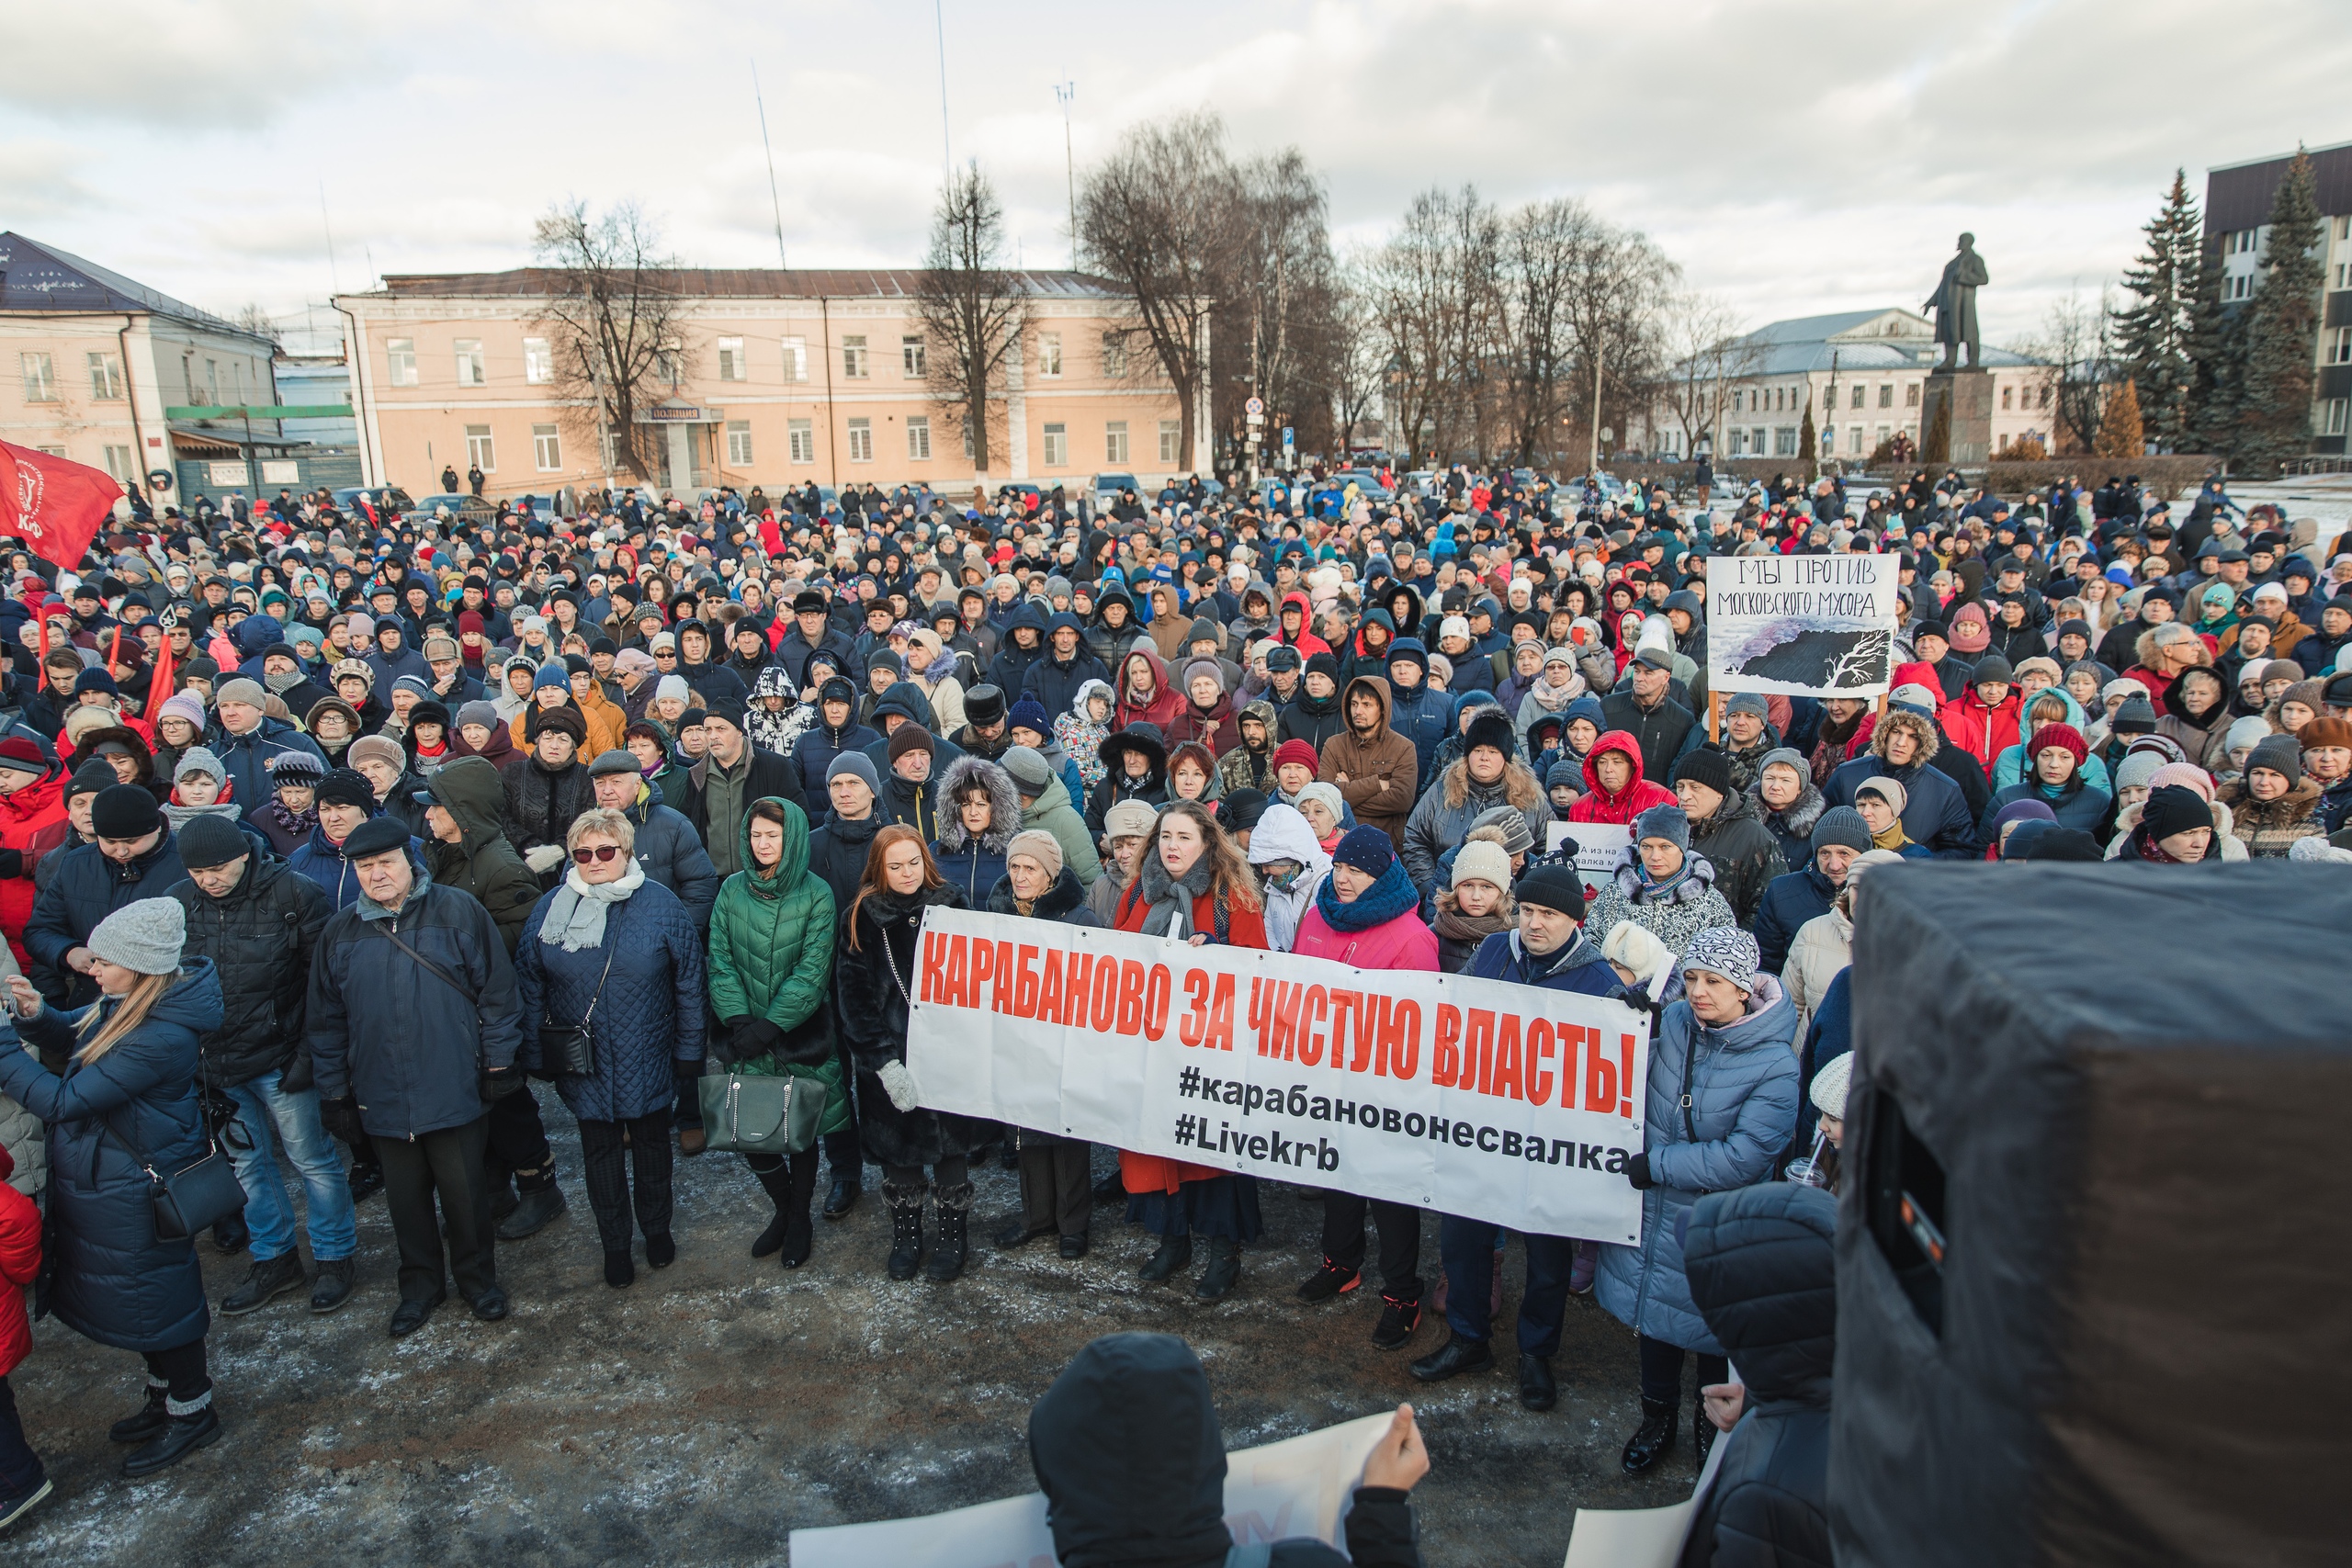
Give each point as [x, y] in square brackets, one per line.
[2094, 1232]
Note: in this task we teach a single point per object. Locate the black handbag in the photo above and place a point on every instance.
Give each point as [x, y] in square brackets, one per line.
[196, 1197]
[568, 1050]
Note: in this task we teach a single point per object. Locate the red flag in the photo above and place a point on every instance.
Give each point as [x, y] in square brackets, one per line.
[159, 683]
[53, 505]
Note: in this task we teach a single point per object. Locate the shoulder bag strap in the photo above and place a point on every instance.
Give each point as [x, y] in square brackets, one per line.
[610, 949]
[438, 972]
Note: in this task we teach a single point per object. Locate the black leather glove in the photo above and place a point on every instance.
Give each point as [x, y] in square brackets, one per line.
[756, 1037]
[497, 1083]
[341, 1117]
[682, 1068]
[12, 862]
[1637, 1171]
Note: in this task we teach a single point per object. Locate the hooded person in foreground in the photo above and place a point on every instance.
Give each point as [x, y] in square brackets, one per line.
[1128, 1452]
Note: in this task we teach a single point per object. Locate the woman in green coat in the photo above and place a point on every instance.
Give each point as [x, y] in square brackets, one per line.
[770, 978]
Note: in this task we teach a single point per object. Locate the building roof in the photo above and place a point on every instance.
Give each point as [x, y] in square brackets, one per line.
[731, 283]
[2239, 196]
[1889, 338]
[38, 278]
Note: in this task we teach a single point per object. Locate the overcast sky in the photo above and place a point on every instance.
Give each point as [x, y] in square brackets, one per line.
[1794, 155]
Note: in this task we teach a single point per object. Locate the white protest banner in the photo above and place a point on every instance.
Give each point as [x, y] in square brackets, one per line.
[1802, 626]
[1598, 847]
[1494, 1101]
[1300, 1486]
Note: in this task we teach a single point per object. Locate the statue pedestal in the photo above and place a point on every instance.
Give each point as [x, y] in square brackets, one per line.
[1968, 393]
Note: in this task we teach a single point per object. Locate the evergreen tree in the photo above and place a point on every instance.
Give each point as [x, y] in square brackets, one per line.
[2120, 432]
[2154, 333]
[2215, 348]
[2282, 327]
[1807, 448]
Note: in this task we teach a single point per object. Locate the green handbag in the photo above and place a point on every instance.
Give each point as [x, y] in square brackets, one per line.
[760, 1113]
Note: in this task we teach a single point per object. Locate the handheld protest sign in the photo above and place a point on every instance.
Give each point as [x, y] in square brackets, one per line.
[1802, 626]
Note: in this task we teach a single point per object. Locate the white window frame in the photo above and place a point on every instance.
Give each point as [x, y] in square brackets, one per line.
[106, 379]
[1057, 445]
[1114, 443]
[913, 359]
[2332, 416]
[1115, 356]
[1049, 354]
[473, 365]
[738, 443]
[481, 445]
[2339, 347]
[861, 440]
[856, 364]
[546, 449]
[795, 359]
[731, 360]
[1171, 441]
[538, 361]
[40, 378]
[801, 440]
[918, 438]
[400, 361]
[121, 460]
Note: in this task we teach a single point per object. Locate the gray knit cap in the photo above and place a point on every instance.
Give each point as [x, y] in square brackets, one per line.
[198, 760]
[1841, 825]
[1787, 757]
[1029, 769]
[145, 936]
[1726, 950]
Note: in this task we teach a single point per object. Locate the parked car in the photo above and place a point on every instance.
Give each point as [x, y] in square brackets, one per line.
[383, 497]
[455, 504]
[1108, 486]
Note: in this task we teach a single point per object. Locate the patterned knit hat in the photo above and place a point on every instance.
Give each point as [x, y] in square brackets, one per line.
[1726, 950]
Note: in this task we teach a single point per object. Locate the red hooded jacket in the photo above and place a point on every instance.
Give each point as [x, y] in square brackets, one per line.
[32, 823]
[1638, 796]
[1306, 642]
[1166, 704]
[19, 1262]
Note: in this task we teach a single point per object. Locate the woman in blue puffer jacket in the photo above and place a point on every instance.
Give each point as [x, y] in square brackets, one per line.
[1726, 1045]
[116, 1082]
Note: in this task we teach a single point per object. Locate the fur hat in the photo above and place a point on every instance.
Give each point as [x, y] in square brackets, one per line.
[1488, 727]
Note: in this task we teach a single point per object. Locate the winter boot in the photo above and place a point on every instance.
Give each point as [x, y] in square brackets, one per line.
[332, 1288]
[906, 1226]
[538, 1206]
[1703, 1433]
[148, 1419]
[1652, 1438]
[620, 1269]
[954, 1208]
[502, 1196]
[264, 1282]
[799, 1236]
[1175, 1252]
[1224, 1271]
[181, 1435]
[778, 1186]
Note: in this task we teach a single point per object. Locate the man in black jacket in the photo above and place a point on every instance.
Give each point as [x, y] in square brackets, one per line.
[258, 920]
[812, 633]
[1660, 726]
[413, 1026]
[731, 776]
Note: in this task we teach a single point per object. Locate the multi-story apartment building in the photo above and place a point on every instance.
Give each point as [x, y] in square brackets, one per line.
[777, 378]
[2238, 200]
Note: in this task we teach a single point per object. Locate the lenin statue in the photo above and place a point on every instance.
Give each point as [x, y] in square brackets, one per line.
[1954, 305]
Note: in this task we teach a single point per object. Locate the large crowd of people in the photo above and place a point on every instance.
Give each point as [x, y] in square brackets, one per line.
[332, 841]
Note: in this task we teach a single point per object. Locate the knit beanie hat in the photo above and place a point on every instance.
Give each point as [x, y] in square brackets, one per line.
[1887, 790]
[1029, 713]
[1992, 668]
[378, 748]
[240, 690]
[1551, 887]
[1366, 848]
[1726, 950]
[552, 677]
[729, 710]
[1488, 727]
[857, 765]
[2247, 732]
[1518, 838]
[673, 686]
[1566, 771]
[2188, 776]
[477, 712]
[2063, 735]
[125, 811]
[1298, 751]
[198, 760]
[1830, 1084]
[2137, 715]
[2282, 755]
[2064, 843]
[1748, 702]
[2174, 809]
[95, 777]
[1481, 861]
[343, 787]
[911, 738]
[1706, 766]
[1128, 819]
[1668, 822]
[1032, 774]
[1841, 825]
[1039, 846]
[212, 839]
[19, 754]
[1791, 758]
[144, 936]
[2137, 771]
[183, 705]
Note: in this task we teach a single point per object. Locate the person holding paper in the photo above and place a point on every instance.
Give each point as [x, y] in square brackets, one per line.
[1126, 1450]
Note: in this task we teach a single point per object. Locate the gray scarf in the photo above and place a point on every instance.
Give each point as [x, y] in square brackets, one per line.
[1171, 898]
[575, 919]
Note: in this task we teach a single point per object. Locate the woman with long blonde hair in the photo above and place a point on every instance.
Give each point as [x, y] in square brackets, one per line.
[116, 1082]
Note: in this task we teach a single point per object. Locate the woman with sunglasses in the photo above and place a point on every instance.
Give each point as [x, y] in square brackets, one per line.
[616, 958]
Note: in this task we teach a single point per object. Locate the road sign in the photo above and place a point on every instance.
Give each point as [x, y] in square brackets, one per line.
[1255, 405]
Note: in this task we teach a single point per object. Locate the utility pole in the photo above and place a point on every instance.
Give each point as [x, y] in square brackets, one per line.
[773, 199]
[1065, 92]
[946, 157]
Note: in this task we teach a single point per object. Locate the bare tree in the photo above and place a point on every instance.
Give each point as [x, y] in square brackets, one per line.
[1273, 333]
[1436, 288]
[1155, 219]
[2074, 347]
[253, 319]
[1705, 353]
[611, 309]
[1359, 356]
[1617, 283]
[1543, 243]
[973, 310]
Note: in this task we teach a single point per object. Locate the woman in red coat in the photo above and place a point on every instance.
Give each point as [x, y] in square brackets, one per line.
[22, 1481]
[32, 823]
[1192, 885]
[1146, 695]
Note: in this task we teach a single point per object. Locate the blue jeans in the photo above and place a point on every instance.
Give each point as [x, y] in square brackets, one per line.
[1467, 1248]
[264, 1107]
